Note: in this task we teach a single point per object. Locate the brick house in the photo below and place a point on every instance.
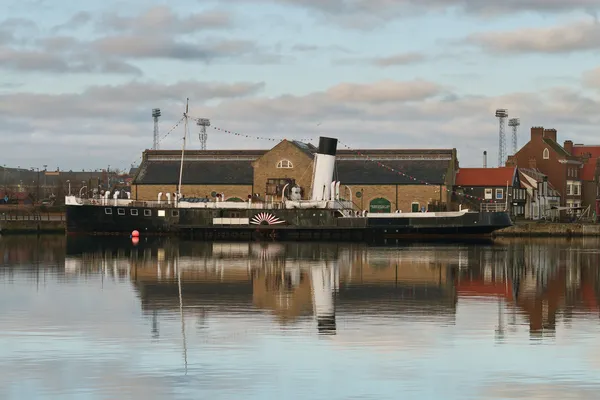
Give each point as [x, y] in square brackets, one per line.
[542, 152]
[500, 186]
[422, 179]
[589, 173]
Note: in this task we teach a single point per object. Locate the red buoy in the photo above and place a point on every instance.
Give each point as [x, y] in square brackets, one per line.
[135, 234]
[135, 240]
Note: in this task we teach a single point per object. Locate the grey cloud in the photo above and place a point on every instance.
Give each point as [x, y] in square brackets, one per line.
[385, 113]
[118, 101]
[384, 62]
[578, 36]
[163, 19]
[37, 60]
[399, 59]
[77, 20]
[314, 48]
[362, 14]
[167, 47]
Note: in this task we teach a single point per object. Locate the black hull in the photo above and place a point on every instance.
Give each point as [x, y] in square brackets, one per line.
[310, 225]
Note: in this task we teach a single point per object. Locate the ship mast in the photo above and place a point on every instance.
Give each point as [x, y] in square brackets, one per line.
[185, 117]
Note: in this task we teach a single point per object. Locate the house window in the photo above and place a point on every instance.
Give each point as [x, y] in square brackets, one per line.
[147, 213]
[569, 189]
[134, 211]
[285, 164]
[108, 211]
[488, 194]
[576, 189]
[546, 154]
[121, 211]
[499, 194]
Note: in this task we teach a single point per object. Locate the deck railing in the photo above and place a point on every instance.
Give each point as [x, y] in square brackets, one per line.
[493, 207]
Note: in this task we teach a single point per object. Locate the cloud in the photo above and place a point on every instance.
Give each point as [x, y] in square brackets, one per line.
[162, 19]
[35, 60]
[363, 14]
[77, 20]
[165, 47]
[383, 92]
[384, 62]
[576, 36]
[592, 78]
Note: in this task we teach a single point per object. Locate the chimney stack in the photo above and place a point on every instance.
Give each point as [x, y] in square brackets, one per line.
[485, 159]
[550, 134]
[569, 146]
[537, 132]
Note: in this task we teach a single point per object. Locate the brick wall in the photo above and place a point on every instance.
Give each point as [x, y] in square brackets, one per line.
[407, 194]
[150, 192]
[266, 167]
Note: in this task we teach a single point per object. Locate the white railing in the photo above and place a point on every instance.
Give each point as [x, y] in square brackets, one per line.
[493, 207]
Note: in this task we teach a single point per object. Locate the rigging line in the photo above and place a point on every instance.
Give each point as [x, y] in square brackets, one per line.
[139, 158]
[379, 164]
[259, 137]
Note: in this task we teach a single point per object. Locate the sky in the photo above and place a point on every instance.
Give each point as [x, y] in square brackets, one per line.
[78, 82]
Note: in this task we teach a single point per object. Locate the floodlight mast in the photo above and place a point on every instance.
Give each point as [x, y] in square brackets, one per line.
[501, 114]
[203, 123]
[514, 123]
[155, 115]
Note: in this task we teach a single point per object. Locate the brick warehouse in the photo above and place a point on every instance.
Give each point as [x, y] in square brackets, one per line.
[239, 173]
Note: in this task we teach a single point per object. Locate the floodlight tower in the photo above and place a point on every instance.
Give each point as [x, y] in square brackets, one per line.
[501, 114]
[155, 116]
[203, 123]
[514, 124]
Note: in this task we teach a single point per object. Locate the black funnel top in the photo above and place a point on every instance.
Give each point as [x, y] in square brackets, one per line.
[327, 146]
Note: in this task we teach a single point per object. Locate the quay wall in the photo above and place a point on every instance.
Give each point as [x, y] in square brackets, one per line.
[25, 226]
[549, 230]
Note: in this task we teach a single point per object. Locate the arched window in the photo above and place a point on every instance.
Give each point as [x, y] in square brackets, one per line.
[285, 164]
[546, 154]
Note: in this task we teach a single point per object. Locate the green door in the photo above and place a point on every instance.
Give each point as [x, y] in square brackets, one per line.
[380, 205]
[415, 207]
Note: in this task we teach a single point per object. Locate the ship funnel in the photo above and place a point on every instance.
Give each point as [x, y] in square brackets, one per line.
[323, 172]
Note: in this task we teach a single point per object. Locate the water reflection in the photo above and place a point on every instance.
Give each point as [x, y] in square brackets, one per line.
[178, 319]
[296, 281]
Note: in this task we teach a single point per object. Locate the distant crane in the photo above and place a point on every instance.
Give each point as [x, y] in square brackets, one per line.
[203, 123]
[514, 124]
[155, 115]
[501, 114]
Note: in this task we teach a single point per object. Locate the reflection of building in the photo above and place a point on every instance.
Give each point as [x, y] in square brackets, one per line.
[537, 280]
[540, 282]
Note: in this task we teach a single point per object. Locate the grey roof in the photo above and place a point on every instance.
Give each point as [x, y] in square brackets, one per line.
[353, 172]
[204, 172]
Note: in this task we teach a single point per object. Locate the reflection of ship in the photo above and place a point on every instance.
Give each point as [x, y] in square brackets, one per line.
[290, 281]
[294, 281]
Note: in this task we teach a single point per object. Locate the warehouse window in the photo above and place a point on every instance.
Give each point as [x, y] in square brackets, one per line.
[285, 164]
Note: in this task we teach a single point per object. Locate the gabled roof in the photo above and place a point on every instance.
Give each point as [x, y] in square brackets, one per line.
[356, 172]
[205, 172]
[556, 147]
[488, 177]
[592, 153]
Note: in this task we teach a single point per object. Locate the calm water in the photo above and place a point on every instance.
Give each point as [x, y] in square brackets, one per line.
[98, 319]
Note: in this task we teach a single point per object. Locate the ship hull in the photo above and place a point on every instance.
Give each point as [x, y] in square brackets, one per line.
[278, 224]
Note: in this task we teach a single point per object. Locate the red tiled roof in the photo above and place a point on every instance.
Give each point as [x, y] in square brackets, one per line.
[589, 169]
[485, 176]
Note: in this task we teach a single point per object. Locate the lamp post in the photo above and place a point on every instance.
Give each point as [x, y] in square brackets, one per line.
[69, 182]
[45, 182]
